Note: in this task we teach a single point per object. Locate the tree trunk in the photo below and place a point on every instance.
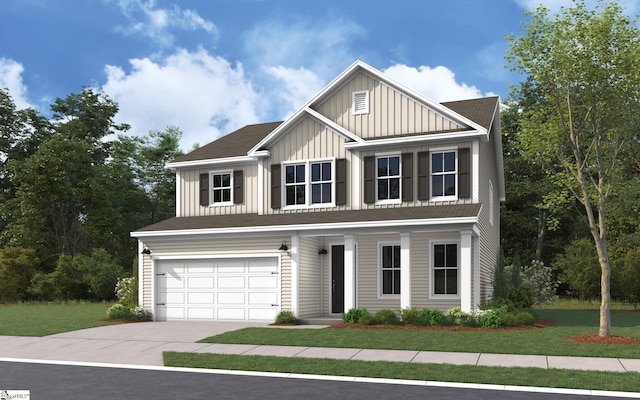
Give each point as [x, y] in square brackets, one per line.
[542, 230]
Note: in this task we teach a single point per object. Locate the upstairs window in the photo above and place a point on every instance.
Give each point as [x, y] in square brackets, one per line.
[221, 187]
[309, 183]
[443, 174]
[388, 178]
[360, 102]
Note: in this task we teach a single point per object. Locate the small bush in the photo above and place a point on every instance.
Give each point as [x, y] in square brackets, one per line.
[127, 291]
[386, 317]
[138, 314]
[428, 317]
[367, 319]
[455, 316]
[354, 315]
[286, 317]
[518, 318]
[521, 297]
[119, 311]
[409, 315]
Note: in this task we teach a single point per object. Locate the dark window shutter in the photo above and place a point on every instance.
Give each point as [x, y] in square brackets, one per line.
[341, 181]
[238, 187]
[204, 189]
[423, 175]
[370, 179]
[407, 177]
[276, 183]
[464, 173]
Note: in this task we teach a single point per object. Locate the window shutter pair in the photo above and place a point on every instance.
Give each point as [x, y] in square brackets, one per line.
[340, 182]
[464, 174]
[370, 178]
[238, 188]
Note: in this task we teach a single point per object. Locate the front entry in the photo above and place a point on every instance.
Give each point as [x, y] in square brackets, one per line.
[337, 279]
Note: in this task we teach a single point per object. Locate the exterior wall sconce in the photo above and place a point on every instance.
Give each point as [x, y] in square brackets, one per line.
[146, 251]
[283, 247]
[323, 252]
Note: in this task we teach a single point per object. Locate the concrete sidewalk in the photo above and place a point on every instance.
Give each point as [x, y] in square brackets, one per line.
[144, 343]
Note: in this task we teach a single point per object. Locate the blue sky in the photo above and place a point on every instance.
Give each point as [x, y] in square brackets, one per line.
[209, 67]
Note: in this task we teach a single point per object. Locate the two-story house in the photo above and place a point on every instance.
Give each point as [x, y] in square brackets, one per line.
[370, 195]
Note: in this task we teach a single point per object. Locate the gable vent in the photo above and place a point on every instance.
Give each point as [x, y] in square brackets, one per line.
[361, 102]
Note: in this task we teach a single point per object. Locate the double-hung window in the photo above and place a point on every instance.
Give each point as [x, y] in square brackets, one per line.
[221, 186]
[445, 269]
[390, 269]
[443, 174]
[309, 183]
[388, 178]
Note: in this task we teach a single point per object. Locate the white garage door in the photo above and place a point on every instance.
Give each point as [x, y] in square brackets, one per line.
[242, 289]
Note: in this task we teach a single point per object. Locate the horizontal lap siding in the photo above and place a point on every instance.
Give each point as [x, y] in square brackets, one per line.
[219, 248]
[369, 271]
[308, 278]
[190, 192]
[390, 111]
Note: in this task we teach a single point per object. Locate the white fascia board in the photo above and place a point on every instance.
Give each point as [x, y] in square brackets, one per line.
[212, 161]
[308, 227]
[411, 140]
[255, 150]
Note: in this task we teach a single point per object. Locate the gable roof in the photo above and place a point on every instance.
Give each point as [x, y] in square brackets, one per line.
[480, 111]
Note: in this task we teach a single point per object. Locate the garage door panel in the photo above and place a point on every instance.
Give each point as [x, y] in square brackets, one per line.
[201, 298]
[237, 289]
[199, 282]
[262, 298]
[231, 282]
[231, 298]
[263, 282]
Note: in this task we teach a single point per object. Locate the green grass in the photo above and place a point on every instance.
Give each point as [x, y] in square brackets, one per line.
[42, 319]
[546, 341]
[614, 381]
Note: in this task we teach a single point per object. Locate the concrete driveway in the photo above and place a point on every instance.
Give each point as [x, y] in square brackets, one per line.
[139, 343]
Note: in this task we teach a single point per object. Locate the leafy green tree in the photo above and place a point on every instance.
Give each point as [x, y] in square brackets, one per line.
[584, 65]
[17, 267]
[579, 269]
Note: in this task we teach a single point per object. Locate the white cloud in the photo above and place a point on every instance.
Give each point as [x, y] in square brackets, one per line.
[437, 83]
[203, 95]
[297, 87]
[156, 23]
[11, 79]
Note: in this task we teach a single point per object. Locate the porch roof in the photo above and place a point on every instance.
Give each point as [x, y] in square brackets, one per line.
[445, 213]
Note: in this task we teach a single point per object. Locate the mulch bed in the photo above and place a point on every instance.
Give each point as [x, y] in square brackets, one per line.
[582, 339]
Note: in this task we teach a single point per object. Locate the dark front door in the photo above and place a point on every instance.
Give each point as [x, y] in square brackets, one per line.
[337, 279]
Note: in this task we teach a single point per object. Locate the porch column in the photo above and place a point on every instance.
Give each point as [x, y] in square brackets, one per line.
[349, 273]
[476, 272]
[405, 270]
[465, 271]
[295, 245]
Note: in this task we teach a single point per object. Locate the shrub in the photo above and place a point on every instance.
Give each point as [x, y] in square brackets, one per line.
[367, 319]
[518, 318]
[119, 311]
[409, 315]
[521, 297]
[386, 317]
[101, 273]
[17, 268]
[429, 317]
[354, 315]
[286, 317]
[455, 316]
[42, 287]
[68, 277]
[138, 314]
[127, 291]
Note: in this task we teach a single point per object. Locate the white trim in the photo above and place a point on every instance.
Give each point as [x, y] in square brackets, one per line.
[212, 203]
[178, 194]
[310, 227]
[381, 244]
[356, 182]
[388, 155]
[295, 276]
[475, 242]
[464, 266]
[349, 273]
[141, 274]
[260, 189]
[491, 203]
[213, 162]
[347, 134]
[475, 172]
[215, 255]
[443, 150]
[432, 295]
[414, 140]
[405, 270]
[154, 306]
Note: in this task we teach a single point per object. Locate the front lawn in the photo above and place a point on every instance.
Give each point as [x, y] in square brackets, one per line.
[42, 319]
[542, 341]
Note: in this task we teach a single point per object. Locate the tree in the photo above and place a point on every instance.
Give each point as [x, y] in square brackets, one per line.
[584, 65]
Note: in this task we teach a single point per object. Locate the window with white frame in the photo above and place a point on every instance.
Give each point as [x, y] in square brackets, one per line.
[221, 187]
[309, 183]
[390, 269]
[443, 174]
[388, 178]
[445, 268]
